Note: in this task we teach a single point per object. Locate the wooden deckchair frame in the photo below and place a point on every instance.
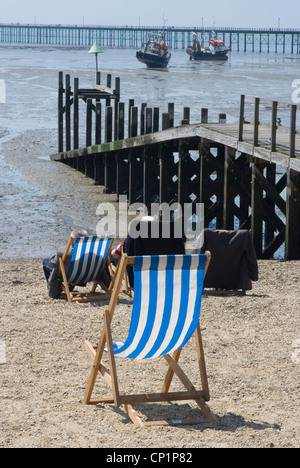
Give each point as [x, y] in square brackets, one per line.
[110, 375]
[86, 296]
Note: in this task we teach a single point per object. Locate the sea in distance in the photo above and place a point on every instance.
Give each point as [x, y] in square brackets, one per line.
[31, 76]
[29, 82]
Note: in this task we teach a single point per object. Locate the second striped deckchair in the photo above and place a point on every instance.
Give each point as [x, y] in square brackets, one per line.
[90, 255]
[165, 315]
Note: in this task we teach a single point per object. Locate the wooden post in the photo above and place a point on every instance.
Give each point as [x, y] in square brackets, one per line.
[117, 101]
[256, 122]
[98, 78]
[110, 173]
[68, 113]
[271, 178]
[89, 165]
[98, 118]
[60, 112]
[186, 116]
[131, 104]
[133, 176]
[165, 155]
[165, 121]
[99, 169]
[156, 119]
[76, 115]
[293, 130]
[219, 190]
[274, 126]
[148, 121]
[80, 164]
[171, 114]
[121, 121]
[146, 178]
[142, 122]
[122, 181]
[204, 116]
[108, 84]
[222, 118]
[257, 208]
[108, 124]
[228, 202]
[133, 131]
[89, 112]
[292, 233]
[242, 117]
[183, 173]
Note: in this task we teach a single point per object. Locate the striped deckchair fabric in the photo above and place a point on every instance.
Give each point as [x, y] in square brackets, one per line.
[165, 315]
[89, 257]
[167, 303]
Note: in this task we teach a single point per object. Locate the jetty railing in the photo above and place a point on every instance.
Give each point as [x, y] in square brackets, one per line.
[268, 131]
[246, 174]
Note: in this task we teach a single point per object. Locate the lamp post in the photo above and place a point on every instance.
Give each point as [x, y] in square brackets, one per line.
[96, 49]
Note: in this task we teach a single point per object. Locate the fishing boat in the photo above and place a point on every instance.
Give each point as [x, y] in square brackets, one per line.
[216, 50]
[156, 52]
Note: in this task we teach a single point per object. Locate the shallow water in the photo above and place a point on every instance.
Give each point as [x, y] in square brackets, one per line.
[30, 75]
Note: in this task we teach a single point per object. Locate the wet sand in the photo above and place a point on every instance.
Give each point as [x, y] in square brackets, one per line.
[42, 201]
[253, 368]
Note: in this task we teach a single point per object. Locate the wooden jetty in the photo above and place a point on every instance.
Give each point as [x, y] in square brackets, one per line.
[246, 174]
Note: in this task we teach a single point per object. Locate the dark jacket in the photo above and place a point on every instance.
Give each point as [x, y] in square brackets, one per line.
[233, 263]
[54, 283]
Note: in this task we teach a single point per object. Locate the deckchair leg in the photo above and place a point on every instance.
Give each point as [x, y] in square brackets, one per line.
[137, 421]
[112, 362]
[100, 350]
[189, 386]
[201, 362]
[66, 286]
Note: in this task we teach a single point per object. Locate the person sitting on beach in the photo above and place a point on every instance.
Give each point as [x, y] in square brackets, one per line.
[51, 267]
[117, 253]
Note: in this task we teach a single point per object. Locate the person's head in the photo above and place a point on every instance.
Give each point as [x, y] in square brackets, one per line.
[78, 233]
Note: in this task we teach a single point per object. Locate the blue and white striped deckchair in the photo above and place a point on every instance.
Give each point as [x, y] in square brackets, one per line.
[165, 315]
[89, 257]
[167, 303]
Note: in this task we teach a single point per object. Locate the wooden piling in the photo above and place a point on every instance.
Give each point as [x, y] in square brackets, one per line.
[76, 114]
[60, 112]
[68, 112]
[89, 122]
[98, 121]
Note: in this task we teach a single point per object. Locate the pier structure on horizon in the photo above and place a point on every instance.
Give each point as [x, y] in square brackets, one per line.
[238, 39]
[247, 174]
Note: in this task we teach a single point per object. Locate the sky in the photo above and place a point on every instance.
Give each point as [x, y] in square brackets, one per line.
[215, 13]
